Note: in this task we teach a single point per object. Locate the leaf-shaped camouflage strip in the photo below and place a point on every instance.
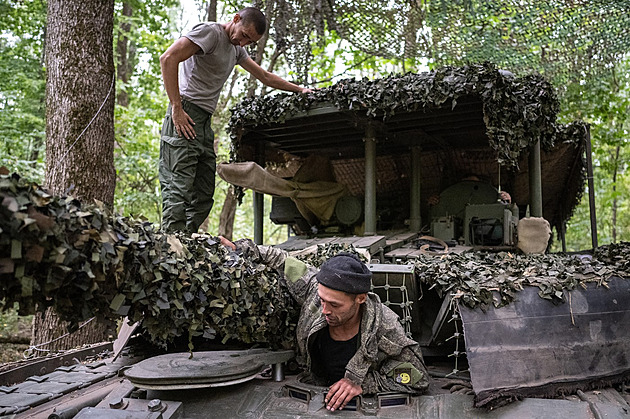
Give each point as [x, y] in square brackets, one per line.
[326, 251]
[85, 262]
[481, 279]
[518, 111]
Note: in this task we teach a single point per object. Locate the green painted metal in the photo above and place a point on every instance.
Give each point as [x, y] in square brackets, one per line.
[348, 210]
[259, 199]
[455, 198]
[415, 221]
[591, 187]
[535, 348]
[294, 400]
[203, 369]
[535, 181]
[370, 181]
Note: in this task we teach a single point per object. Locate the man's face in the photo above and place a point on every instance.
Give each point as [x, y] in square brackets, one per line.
[338, 306]
[243, 34]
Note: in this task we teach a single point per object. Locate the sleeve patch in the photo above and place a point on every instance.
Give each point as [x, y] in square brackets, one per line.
[406, 373]
[294, 269]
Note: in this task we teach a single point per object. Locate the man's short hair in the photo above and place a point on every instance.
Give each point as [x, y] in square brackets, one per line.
[253, 16]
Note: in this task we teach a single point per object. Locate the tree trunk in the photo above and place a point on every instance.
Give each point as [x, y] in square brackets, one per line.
[125, 52]
[228, 212]
[79, 124]
[211, 11]
[272, 64]
[614, 189]
[260, 52]
[80, 99]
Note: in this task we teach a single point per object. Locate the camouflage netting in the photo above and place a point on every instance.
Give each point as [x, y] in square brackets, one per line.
[323, 253]
[563, 40]
[483, 279]
[518, 111]
[85, 262]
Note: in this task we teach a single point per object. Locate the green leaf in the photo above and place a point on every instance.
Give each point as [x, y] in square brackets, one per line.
[117, 302]
[16, 249]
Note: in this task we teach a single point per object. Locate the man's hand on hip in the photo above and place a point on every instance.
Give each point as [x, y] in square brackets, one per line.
[341, 393]
[184, 124]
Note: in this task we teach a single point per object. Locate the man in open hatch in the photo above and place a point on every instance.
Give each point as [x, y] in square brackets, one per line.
[346, 337]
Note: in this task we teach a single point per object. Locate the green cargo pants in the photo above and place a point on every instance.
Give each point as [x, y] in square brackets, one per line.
[186, 172]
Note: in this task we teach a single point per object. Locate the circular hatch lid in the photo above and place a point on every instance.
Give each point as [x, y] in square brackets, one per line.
[204, 369]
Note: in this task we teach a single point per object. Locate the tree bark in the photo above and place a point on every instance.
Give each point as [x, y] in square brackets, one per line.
[272, 64]
[80, 99]
[125, 52]
[80, 95]
[260, 52]
[211, 11]
[228, 213]
[614, 189]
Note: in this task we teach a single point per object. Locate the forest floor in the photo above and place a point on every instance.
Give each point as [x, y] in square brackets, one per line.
[15, 333]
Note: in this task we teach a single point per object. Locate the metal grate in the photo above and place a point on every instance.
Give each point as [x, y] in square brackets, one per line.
[396, 287]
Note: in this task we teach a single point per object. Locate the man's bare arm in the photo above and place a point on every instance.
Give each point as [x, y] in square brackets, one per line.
[181, 50]
[271, 79]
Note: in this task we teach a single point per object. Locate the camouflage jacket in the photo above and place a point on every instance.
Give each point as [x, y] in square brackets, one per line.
[386, 360]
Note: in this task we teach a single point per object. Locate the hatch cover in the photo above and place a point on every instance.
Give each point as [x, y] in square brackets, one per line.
[204, 369]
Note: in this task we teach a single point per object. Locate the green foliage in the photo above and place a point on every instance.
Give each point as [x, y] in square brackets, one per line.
[138, 125]
[334, 59]
[577, 45]
[138, 121]
[559, 39]
[562, 40]
[22, 97]
[12, 324]
[22, 86]
[604, 103]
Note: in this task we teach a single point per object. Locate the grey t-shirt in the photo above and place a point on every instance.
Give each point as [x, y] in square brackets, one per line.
[202, 76]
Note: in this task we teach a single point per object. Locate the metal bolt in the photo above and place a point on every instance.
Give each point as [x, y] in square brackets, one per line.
[155, 405]
[138, 394]
[116, 403]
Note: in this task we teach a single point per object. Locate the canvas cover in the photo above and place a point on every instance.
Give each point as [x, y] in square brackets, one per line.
[533, 235]
[315, 200]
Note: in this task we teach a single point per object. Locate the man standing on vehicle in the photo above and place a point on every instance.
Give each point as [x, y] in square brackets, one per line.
[187, 164]
[346, 337]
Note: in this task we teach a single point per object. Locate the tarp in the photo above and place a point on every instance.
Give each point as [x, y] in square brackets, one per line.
[315, 200]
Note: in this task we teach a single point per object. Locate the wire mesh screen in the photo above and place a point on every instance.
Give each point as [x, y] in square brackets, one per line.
[397, 288]
[561, 39]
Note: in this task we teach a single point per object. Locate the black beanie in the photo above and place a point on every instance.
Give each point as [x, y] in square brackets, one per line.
[345, 272]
